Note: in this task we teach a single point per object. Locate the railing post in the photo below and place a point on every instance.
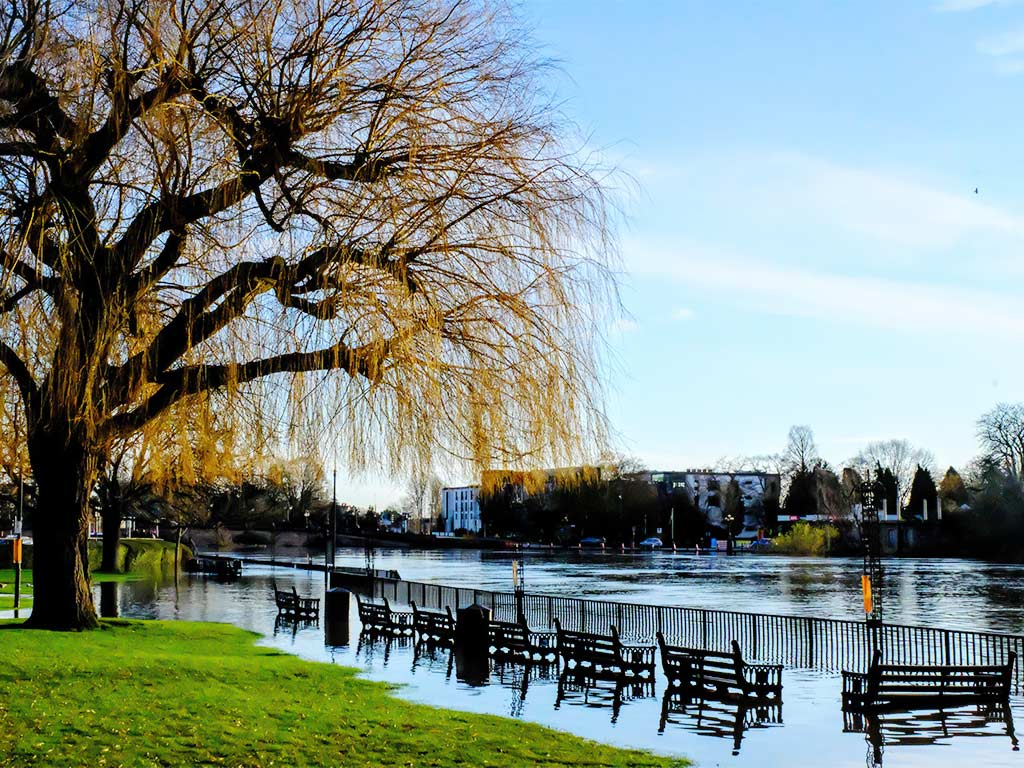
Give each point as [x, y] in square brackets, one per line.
[583, 615]
[945, 637]
[810, 642]
[704, 627]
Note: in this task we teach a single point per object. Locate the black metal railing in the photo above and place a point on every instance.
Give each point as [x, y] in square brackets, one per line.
[796, 641]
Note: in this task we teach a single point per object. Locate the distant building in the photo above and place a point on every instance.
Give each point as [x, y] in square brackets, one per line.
[394, 521]
[708, 491]
[460, 509]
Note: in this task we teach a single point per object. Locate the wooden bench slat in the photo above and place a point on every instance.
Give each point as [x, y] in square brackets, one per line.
[726, 673]
[604, 652]
[291, 604]
[380, 618]
[903, 685]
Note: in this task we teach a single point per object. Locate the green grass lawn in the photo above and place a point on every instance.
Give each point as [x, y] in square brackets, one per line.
[7, 589]
[141, 693]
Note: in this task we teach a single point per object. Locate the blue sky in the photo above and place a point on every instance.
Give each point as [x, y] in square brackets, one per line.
[806, 246]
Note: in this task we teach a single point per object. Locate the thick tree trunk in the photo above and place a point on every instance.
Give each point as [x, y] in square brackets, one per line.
[111, 536]
[64, 473]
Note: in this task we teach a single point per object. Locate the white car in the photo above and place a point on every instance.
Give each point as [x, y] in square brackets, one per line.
[651, 543]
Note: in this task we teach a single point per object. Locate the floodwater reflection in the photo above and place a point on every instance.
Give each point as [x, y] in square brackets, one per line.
[590, 689]
[894, 729]
[709, 716]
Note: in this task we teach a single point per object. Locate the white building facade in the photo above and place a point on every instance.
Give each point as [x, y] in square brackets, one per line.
[460, 509]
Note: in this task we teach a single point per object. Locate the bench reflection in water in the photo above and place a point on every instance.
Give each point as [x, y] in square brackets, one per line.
[430, 656]
[722, 717]
[901, 729]
[374, 645]
[286, 623]
[517, 676]
[588, 688]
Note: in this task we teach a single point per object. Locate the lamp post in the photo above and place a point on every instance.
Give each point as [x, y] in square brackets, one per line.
[20, 520]
[17, 540]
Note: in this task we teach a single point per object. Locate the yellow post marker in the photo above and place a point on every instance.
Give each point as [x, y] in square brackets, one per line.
[865, 586]
[17, 552]
[515, 573]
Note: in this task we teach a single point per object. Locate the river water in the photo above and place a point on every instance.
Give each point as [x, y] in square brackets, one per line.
[808, 730]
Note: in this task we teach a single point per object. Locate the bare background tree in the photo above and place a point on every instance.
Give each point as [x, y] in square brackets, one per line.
[801, 453]
[1001, 432]
[897, 455]
[369, 212]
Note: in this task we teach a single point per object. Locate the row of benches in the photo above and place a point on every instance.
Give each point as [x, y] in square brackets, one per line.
[726, 675]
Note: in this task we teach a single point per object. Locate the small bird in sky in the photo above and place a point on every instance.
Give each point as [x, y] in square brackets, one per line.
[975, 190]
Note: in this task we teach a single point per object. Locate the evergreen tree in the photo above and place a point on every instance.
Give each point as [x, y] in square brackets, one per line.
[922, 491]
[886, 489]
[802, 498]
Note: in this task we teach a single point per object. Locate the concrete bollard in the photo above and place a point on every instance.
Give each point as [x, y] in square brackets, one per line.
[336, 616]
[472, 643]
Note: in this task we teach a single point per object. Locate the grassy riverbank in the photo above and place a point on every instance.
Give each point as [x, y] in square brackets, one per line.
[177, 693]
[145, 556]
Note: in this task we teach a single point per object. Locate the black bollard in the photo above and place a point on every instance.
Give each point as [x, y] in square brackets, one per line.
[472, 644]
[336, 616]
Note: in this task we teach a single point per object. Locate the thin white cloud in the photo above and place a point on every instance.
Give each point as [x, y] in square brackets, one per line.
[889, 208]
[956, 6]
[864, 301]
[682, 313]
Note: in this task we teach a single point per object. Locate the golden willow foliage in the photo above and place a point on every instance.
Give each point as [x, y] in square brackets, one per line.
[361, 213]
[539, 481]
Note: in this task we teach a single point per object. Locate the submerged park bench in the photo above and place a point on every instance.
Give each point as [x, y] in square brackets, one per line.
[291, 605]
[516, 639]
[896, 687]
[726, 675]
[433, 626]
[380, 618]
[604, 652]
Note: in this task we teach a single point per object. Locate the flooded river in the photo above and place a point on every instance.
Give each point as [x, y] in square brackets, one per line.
[809, 729]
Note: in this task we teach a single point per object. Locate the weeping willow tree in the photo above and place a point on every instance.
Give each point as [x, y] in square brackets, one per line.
[177, 458]
[366, 210]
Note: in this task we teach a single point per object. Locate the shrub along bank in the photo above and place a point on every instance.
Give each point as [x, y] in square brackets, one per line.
[176, 693]
[806, 539]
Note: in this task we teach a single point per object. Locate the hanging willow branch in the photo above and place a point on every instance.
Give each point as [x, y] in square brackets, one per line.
[367, 207]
